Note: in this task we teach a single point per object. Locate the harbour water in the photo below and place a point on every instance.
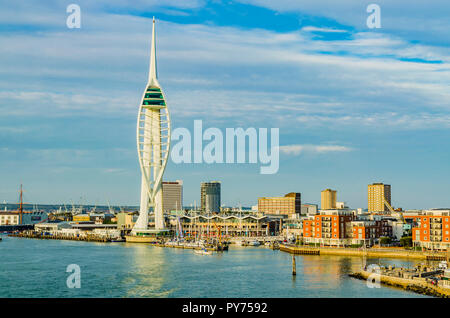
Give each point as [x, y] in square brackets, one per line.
[37, 268]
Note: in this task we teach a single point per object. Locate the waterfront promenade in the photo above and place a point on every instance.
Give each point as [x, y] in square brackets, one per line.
[370, 252]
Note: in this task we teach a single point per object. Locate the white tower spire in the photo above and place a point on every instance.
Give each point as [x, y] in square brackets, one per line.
[152, 74]
[153, 145]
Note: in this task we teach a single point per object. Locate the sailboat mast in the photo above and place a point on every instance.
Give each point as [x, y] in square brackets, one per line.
[21, 205]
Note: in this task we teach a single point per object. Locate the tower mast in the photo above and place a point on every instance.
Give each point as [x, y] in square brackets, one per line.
[153, 145]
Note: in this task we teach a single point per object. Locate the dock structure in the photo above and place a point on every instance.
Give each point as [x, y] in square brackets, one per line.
[299, 250]
[87, 238]
[346, 251]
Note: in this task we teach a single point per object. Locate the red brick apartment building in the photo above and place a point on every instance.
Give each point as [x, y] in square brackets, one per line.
[329, 227]
[431, 229]
[368, 232]
[343, 227]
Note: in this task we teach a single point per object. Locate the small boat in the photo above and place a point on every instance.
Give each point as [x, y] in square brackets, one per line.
[119, 239]
[267, 243]
[443, 265]
[203, 251]
[254, 243]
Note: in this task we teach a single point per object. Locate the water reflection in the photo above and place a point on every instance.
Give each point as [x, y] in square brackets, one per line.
[147, 273]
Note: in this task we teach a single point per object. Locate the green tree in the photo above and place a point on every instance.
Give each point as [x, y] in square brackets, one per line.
[406, 241]
[385, 240]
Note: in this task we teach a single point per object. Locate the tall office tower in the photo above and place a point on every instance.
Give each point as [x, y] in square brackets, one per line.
[377, 194]
[210, 196]
[153, 145]
[172, 195]
[290, 204]
[328, 199]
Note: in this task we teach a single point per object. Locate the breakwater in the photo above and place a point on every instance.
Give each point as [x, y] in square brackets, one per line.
[417, 285]
[379, 253]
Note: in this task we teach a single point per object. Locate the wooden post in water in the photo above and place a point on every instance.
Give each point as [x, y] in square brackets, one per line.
[294, 267]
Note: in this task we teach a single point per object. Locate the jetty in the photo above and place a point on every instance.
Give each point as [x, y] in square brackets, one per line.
[371, 252]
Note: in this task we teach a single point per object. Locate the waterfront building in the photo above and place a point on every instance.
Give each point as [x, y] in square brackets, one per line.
[210, 196]
[309, 209]
[126, 220]
[33, 217]
[377, 195]
[369, 231]
[51, 227]
[9, 218]
[81, 218]
[225, 225]
[153, 145]
[431, 229]
[328, 199]
[172, 195]
[329, 227]
[289, 204]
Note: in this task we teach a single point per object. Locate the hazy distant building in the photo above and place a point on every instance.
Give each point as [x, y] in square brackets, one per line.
[309, 209]
[172, 195]
[340, 205]
[328, 199]
[9, 218]
[376, 193]
[210, 196]
[289, 204]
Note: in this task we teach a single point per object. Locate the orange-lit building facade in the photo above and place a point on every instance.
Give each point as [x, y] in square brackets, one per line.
[329, 227]
[431, 229]
[289, 204]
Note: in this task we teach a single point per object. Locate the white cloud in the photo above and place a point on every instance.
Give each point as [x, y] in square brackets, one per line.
[328, 30]
[312, 149]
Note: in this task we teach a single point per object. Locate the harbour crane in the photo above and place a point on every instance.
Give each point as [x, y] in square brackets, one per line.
[393, 211]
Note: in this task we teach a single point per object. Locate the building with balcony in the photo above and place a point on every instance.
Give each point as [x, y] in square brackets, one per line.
[431, 229]
[329, 227]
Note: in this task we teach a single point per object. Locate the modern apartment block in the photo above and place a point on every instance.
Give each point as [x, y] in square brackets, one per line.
[328, 199]
[290, 204]
[376, 194]
[210, 196]
[172, 195]
[431, 229]
[368, 232]
[329, 227]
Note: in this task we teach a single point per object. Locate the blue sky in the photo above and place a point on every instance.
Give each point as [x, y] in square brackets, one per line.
[354, 105]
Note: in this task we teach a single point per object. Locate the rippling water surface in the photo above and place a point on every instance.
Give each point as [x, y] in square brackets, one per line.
[37, 268]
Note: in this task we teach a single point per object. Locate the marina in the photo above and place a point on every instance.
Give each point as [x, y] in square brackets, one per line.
[37, 268]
